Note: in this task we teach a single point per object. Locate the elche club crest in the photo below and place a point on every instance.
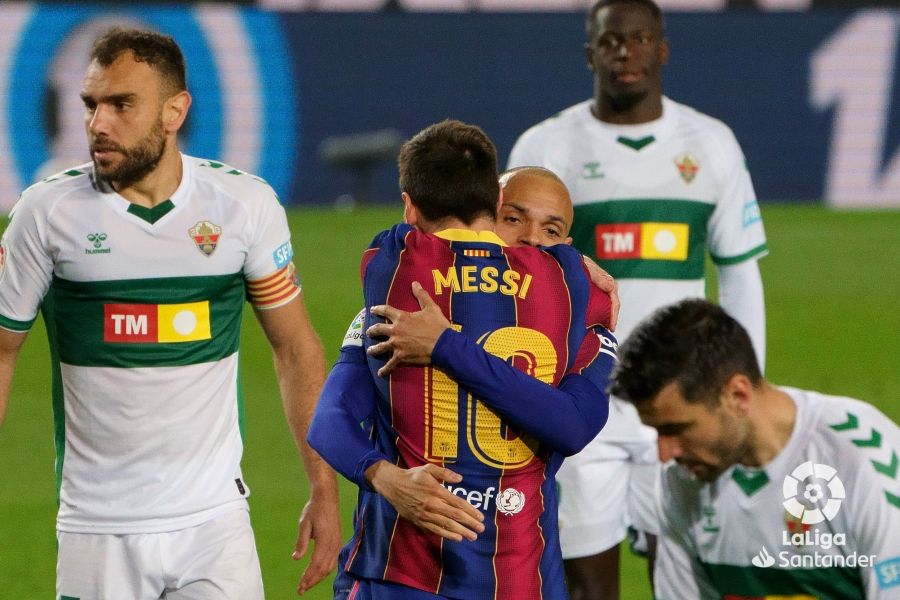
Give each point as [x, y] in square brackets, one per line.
[510, 501]
[206, 235]
[688, 166]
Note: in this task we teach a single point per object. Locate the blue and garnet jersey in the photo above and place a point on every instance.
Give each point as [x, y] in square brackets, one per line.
[533, 308]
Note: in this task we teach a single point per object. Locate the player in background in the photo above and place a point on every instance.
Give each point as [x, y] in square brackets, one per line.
[768, 491]
[141, 261]
[494, 440]
[656, 185]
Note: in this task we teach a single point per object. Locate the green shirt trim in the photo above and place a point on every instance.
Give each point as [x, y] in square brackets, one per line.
[733, 260]
[639, 144]
[13, 325]
[834, 583]
[151, 215]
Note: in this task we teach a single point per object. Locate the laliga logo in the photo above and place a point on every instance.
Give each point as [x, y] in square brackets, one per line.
[805, 498]
[510, 501]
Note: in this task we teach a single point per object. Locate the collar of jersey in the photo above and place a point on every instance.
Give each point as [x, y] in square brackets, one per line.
[658, 128]
[467, 235]
[150, 216]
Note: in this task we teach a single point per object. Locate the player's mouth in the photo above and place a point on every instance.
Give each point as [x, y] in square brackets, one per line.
[104, 152]
[628, 77]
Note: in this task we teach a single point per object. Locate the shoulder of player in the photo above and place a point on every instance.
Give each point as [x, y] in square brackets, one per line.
[708, 130]
[863, 441]
[552, 127]
[231, 182]
[46, 193]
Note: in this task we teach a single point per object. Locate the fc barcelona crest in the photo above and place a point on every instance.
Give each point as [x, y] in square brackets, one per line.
[687, 166]
[206, 235]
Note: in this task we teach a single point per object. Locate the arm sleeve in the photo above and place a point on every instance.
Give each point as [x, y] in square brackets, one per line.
[741, 295]
[26, 267]
[336, 432]
[272, 279]
[565, 418]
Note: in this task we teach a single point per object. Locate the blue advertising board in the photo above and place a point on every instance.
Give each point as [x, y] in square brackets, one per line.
[812, 97]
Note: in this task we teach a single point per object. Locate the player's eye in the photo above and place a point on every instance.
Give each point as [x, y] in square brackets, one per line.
[551, 232]
[512, 219]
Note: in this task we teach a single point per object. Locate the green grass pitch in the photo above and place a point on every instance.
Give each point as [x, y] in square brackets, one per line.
[831, 285]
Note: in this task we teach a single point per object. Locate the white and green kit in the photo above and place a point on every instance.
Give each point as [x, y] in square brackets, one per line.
[143, 311]
[650, 199]
[820, 521]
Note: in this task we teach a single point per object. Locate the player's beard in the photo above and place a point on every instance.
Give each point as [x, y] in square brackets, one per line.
[137, 162]
[624, 101]
[732, 445]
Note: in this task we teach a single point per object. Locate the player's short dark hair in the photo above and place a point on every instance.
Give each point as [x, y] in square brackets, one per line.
[591, 21]
[450, 170]
[693, 343]
[159, 51]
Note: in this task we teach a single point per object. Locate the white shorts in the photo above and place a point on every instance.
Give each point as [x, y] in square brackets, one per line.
[609, 486]
[216, 560]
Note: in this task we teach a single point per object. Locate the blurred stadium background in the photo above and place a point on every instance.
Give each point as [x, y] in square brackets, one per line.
[315, 95]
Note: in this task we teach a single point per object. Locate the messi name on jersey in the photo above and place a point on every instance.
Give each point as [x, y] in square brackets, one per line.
[484, 279]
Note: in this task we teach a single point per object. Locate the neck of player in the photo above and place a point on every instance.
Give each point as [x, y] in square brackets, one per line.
[772, 418]
[626, 110]
[159, 184]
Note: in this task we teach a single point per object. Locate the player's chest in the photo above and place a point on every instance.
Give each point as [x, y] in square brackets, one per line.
[109, 244]
[618, 171]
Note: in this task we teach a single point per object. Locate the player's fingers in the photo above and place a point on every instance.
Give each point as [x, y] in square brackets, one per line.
[379, 348]
[380, 330]
[468, 517]
[303, 532]
[389, 366]
[385, 310]
[422, 296]
[318, 568]
[615, 305]
[442, 474]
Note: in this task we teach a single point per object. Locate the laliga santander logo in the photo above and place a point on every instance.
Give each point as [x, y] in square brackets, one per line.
[805, 494]
[510, 501]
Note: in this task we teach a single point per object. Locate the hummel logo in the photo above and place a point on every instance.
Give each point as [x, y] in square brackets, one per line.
[97, 240]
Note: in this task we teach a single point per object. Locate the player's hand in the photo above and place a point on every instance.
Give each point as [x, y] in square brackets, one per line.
[410, 336]
[608, 284]
[419, 496]
[319, 521]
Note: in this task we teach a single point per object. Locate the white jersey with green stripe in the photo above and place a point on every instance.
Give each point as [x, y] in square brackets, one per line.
[143, 311]
[651, 199]
[819, 521]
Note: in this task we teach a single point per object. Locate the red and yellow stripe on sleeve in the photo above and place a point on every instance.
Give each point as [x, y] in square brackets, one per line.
[274, 290]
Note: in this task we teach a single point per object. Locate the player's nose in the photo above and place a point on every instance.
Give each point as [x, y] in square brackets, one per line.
[669, 448]
[530, 236]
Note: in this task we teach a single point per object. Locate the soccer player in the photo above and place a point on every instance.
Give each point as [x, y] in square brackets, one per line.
[141, 261]
[769, 491]
[494, 440]
[656, 185]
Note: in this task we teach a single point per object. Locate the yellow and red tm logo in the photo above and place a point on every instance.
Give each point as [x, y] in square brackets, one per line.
[657, 241]
[156, 323]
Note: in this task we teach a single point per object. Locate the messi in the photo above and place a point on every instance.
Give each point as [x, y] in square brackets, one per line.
[488, 280]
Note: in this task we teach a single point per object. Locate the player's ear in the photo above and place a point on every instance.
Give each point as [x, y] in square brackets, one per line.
[568, 241]
[664, 52]
[738, 393]
[410, 212]
[499, 203]
[589, 56]
[175, 110]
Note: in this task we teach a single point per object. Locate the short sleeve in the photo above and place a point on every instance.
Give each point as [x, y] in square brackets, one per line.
[272, 279]
[26, 268]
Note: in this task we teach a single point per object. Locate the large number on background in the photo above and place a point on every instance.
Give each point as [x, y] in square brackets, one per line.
[487, 436]
[853, 72]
